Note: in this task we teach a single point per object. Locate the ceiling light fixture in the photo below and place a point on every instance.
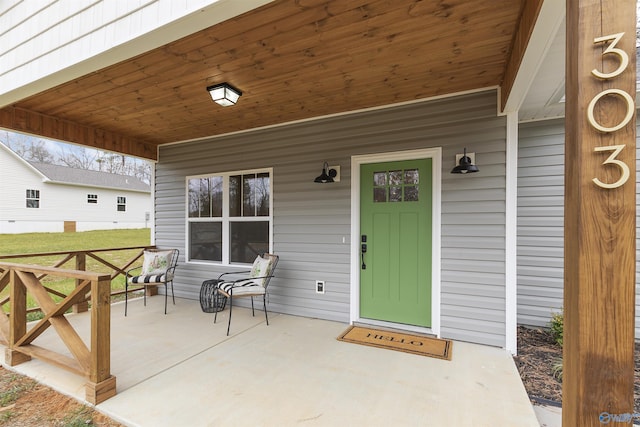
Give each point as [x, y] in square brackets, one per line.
[224, 94]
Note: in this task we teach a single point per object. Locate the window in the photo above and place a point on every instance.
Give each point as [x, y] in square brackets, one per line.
[33, 198]
[122, 204]
[92, 198]
[229, 216]
[396, 186]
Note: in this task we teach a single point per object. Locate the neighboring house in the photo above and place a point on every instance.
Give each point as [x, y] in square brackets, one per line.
[38, 197]
[400, 89]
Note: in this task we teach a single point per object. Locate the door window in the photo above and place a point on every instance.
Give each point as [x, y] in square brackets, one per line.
[396, 186]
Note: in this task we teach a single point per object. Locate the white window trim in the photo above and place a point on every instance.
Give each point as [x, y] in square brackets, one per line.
[225, 219]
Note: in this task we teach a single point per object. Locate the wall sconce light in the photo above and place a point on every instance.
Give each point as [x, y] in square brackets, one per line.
[224, 94]
[465, 163]
[328, 174]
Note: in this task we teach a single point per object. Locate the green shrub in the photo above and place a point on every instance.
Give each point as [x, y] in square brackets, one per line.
[557, 324]
[556, 369]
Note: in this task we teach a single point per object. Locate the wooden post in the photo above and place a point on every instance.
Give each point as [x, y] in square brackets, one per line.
[101, 385]
[599, 284]
[17, 319]
[81, 264]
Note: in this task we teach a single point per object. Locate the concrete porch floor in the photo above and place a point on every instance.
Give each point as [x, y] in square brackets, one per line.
[182, 370]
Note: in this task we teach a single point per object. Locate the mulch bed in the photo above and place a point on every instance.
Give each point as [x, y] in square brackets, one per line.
[537, 354]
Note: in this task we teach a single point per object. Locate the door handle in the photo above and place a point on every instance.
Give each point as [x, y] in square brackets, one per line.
[363, 250]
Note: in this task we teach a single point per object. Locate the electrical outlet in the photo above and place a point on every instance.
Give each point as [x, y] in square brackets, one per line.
[319, 286]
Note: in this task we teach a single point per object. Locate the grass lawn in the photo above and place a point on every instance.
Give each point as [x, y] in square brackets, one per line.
[33, 243]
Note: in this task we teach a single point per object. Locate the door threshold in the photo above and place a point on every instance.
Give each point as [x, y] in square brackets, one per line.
[395, 327]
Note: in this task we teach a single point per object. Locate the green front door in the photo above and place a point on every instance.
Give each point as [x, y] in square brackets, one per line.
[395, 241]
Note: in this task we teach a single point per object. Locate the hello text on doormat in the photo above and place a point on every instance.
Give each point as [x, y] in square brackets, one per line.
[416, 344]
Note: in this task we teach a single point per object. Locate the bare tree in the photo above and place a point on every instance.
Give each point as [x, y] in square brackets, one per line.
[38, 152]
[18, 143]
[142, 170]
[28, 147]
[78, 159]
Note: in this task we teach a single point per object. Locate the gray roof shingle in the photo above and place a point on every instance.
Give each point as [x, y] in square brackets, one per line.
[67, 175]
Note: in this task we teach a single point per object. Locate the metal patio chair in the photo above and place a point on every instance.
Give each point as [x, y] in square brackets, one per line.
[254, 283]
[157, 269]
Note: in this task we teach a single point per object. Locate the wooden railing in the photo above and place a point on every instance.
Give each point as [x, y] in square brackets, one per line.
[92, 361]
[80, 258]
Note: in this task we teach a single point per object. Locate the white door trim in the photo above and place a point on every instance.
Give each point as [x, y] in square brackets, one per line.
[436, 155]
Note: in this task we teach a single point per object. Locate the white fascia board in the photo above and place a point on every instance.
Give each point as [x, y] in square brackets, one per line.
[549, 20]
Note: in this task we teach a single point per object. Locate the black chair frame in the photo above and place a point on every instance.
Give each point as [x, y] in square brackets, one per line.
[267, 279]
[169, 273]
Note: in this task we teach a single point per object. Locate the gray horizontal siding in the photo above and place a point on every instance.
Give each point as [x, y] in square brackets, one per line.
[312, 221]
[541, 223]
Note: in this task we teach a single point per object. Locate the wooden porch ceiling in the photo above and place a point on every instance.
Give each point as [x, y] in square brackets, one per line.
[293, 60]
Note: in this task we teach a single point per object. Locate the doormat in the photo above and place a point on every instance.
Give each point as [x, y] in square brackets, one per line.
[416, 344]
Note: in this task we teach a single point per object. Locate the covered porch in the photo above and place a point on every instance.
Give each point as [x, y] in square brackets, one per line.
[182, 369]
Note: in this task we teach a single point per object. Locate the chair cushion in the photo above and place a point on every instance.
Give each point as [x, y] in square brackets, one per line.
[151, 278]
[156, 262]
[243, 287]
[260, 269]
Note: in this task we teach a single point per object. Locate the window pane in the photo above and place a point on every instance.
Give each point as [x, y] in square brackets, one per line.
[199, 198]
[204, 198]
[379, 178]
[395, 177]
[235, 196]
[380, 195]
[216, 196]
[411, 193]
[262, 194]
[205, 241]
[395, 194]
[249, 195]
[194, 189]
[31, 203]
[248, 239]
[411, 176]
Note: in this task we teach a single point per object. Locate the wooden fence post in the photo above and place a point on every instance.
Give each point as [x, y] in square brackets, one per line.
[17, 319]
[81, 264]
[101, 385]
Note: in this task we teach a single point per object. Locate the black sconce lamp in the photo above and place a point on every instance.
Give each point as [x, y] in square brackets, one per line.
[327, 174]
[465, 165]
[224, 94]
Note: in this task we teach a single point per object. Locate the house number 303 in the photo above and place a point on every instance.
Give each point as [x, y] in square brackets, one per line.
[623, 60]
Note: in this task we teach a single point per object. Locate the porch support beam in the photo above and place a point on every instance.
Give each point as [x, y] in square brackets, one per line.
[599, 265]
[32, 122]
